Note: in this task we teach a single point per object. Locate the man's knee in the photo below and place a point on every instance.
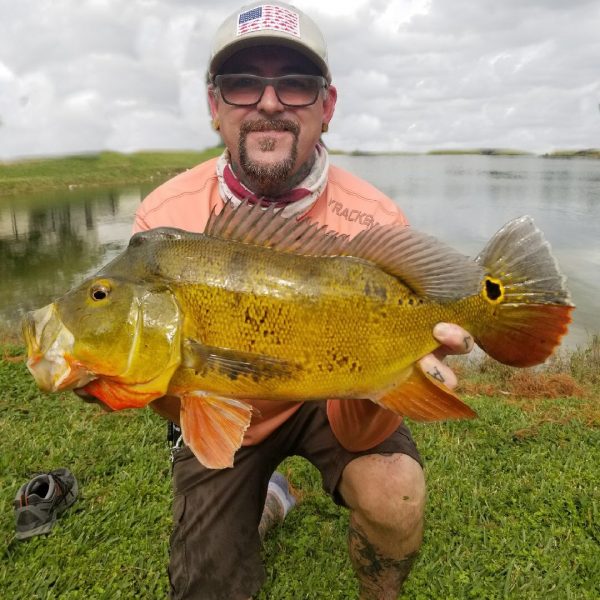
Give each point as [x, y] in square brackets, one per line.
[386, 492]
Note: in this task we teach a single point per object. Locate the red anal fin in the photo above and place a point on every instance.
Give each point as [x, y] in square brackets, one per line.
[213, 427]
[422, 398]
[523, 335]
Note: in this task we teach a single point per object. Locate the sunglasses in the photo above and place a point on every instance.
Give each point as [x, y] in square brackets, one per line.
[291, 90]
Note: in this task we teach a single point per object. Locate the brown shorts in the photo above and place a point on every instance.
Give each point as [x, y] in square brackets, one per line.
[215, 546]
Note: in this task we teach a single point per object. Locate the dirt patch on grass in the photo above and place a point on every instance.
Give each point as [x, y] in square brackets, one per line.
[548, 397]
[526, 383]
[532, 384]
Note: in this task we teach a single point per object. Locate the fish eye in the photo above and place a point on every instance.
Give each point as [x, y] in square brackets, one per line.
[99, 291]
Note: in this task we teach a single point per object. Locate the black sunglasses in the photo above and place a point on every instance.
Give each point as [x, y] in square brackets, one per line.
[291, 90]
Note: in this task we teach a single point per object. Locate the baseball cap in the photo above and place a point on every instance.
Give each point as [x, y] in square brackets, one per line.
[276, 23]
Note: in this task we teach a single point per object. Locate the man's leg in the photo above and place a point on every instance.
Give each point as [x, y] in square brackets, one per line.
[386, 496]
[279, 500]
[215, 545]
[383, 487]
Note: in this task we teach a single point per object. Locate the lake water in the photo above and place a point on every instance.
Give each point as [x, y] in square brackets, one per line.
[50, 242]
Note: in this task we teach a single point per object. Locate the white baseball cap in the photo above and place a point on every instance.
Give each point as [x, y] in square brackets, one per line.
[260, 24]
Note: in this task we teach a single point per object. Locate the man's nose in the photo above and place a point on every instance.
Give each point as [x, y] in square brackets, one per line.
[270, 103]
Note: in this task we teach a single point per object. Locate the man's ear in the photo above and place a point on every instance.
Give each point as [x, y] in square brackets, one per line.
[329, 104]
[212, 92]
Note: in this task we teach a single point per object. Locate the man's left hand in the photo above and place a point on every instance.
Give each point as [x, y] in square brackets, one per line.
[453, 340]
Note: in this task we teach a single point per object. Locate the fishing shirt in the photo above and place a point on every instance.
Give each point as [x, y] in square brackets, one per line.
[347, 205]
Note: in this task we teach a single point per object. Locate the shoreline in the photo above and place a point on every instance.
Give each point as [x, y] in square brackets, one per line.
[104, 169]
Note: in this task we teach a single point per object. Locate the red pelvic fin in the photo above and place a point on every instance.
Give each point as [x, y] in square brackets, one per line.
[213, 427]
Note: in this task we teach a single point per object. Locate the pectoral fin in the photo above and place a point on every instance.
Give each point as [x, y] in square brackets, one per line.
[421, 398]
[213, 427]
[234, 363]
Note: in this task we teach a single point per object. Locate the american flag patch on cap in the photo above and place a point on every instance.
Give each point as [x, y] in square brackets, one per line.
[268, 16]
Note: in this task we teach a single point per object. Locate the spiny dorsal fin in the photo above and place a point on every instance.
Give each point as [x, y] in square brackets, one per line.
[253, 224]
[425, 265]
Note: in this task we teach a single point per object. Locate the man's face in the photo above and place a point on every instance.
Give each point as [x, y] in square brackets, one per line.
[271, 144]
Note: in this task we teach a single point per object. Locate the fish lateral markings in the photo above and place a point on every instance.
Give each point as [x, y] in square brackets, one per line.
[265, 307]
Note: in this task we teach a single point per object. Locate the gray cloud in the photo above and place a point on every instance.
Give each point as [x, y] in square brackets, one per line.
[102, 74]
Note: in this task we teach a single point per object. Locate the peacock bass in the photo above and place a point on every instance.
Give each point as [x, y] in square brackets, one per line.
[260, 306]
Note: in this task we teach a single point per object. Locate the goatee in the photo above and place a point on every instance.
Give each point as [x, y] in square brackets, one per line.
[268, 179]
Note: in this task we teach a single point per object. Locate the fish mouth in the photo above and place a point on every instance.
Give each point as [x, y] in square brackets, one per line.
[50, 352]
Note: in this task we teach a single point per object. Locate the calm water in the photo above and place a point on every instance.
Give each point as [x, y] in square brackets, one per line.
[49, 243]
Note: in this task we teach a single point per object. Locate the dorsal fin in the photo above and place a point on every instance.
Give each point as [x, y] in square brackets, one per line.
[253, 224]
[425, 265]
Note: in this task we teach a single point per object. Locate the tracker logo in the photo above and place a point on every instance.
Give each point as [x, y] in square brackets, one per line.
[352, 215]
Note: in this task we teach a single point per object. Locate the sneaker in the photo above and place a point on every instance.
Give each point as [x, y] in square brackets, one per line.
[39, 502]
[278, 486]
[278, 503]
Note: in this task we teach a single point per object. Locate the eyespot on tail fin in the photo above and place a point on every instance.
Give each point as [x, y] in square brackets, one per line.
[532, 305]
[520, 259]
[213, 427]
[421, 398]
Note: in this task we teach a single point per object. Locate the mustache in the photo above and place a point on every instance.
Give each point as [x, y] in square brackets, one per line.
[270, 125]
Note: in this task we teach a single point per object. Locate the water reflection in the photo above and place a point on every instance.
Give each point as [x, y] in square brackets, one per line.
[50, 242]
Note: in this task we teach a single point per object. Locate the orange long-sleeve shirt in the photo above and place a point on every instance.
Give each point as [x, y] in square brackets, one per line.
[347, 205]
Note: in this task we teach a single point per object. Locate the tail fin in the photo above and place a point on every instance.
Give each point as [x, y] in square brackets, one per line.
[532, 302]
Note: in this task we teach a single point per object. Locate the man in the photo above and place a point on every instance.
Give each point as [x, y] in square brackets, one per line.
[270, 97]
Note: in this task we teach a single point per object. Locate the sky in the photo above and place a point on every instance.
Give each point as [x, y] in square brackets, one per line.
[412, 75]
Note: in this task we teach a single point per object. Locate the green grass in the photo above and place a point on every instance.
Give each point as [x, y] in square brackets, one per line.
[513, 510]
[103, 169]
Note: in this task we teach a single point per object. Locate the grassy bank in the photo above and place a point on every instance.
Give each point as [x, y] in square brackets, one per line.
[514, 496]
[480, 151]
[106, 168]
[111, 168]
[588, 153]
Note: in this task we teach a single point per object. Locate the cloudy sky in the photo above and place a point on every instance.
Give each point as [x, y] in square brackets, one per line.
[412, 75]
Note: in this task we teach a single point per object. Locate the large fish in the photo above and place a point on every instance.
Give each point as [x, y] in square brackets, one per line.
[265, 307]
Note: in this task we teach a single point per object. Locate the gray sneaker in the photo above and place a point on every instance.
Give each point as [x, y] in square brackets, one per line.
[39, 502]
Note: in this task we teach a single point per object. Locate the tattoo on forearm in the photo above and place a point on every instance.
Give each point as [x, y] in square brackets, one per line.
[436, 374]
[380, 577]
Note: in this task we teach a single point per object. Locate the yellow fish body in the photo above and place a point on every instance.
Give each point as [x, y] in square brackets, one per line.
[264, 307]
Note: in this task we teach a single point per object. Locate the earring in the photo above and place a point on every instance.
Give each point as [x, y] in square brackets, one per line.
[216, 125]
[325, 127]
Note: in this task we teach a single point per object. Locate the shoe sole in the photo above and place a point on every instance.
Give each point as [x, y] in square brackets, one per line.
[40, 530]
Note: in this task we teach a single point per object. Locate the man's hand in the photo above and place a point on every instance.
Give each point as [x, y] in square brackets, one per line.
[454, 340]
